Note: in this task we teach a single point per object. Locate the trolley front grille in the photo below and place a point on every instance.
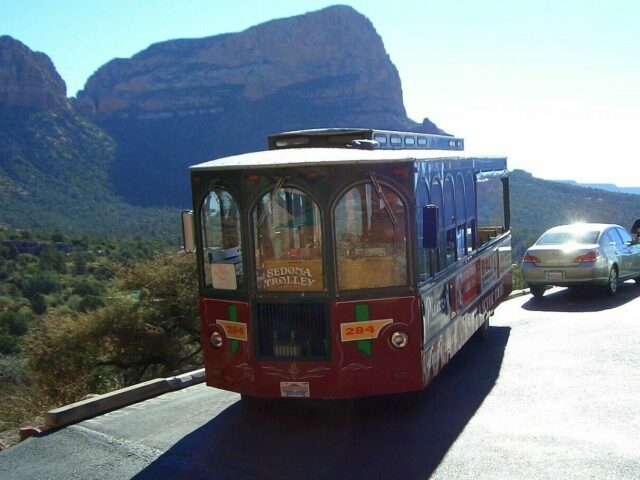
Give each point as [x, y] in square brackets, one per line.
[292, 331]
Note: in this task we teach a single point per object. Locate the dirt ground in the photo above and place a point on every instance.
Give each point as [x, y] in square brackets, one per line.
[8, 438]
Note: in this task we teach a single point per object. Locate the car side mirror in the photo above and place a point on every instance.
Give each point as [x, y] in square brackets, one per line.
[430, 227]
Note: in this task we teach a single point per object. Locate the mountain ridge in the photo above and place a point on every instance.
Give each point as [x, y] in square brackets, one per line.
[187, 101]
[59, 168]
[255, 63]
[610, 187]
[29, 79]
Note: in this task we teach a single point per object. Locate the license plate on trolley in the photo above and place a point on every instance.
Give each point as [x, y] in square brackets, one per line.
[555, 275]
[294, 389]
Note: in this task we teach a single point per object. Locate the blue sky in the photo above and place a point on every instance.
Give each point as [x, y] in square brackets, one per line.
[552, 84]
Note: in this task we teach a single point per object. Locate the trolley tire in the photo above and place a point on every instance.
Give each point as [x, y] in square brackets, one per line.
[612, 283]
[537, 290]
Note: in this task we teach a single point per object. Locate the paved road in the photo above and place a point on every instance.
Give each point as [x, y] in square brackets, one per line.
[553, 394]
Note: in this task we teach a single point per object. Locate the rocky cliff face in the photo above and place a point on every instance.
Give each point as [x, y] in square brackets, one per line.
[28, 79]
[182, 102]
[331, 56]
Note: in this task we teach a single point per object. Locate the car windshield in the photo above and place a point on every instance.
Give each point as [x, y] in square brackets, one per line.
[562, 237]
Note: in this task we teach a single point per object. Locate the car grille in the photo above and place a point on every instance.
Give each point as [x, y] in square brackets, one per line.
[292, 331]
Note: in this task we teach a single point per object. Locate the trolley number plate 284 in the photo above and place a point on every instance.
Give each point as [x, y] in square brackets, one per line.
[234, 330]
[365, 330]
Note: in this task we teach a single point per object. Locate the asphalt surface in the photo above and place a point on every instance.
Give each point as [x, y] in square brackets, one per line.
[553, 393]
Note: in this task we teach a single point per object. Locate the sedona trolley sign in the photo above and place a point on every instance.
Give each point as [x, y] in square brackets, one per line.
[364, 288]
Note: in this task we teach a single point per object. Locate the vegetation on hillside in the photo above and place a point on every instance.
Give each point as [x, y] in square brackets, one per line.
[54, 173]
[537, 205]
[104, 316]
[116, 309]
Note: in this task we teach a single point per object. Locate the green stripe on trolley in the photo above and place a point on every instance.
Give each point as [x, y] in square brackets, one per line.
[233, 317]
[362, 314]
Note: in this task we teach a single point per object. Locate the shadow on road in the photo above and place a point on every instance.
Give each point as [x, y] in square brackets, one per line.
[582, 300]
[388, 437]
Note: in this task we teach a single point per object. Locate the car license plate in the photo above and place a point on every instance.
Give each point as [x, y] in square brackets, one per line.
[559, 275]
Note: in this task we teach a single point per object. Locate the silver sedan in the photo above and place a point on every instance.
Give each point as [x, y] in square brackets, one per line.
[586, 254]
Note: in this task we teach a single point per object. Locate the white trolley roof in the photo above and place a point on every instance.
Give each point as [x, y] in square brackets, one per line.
[307, 157]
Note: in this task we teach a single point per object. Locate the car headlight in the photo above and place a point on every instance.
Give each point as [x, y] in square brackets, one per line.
[399, 339]
[215, 339]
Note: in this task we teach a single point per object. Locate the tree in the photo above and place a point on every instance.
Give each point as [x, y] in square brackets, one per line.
[40, 282]
[38, 304]
[57, 236]
[53, 260]
[13, 324]
[90, 302]
[131, 339]
[88, 286]
[79, 263]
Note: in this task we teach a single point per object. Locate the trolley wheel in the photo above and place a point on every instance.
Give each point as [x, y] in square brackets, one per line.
[612, 284]
[537, 290]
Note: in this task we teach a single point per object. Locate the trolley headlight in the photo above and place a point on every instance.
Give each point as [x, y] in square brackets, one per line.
[215, 339]
[399, 339]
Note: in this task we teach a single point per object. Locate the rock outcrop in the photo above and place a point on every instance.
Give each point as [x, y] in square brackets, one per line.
[329, 56]
[182, 102]
[28, 79]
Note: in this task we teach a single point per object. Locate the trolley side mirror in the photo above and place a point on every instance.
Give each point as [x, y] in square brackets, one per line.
[430, 227]
[188, 239]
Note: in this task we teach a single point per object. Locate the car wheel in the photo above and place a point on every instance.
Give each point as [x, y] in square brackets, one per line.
[637, 279]
[612, 284]
[537, 290]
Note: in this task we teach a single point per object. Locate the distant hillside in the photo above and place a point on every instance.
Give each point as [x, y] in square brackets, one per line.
[186, 101]
[181, 102]
[54, 174]
[610, 187]
[537, 205]
[54, 164]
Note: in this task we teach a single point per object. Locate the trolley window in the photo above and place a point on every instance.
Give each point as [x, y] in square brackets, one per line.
[422, 254]
[370, 226]
[436, 199]
[221, 241]
[461, 217]
[288, 237]
[470, 202]
[449, 221]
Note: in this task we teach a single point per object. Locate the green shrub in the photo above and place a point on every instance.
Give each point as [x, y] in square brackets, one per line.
[89, 303]
[129, 340]
[38, 304]
[88, 286]
[14, 322]
[8, 344]
[517, 278]
[41, 282]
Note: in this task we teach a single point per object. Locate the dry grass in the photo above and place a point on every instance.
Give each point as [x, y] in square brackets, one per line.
[23, 403]
[21, 406]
